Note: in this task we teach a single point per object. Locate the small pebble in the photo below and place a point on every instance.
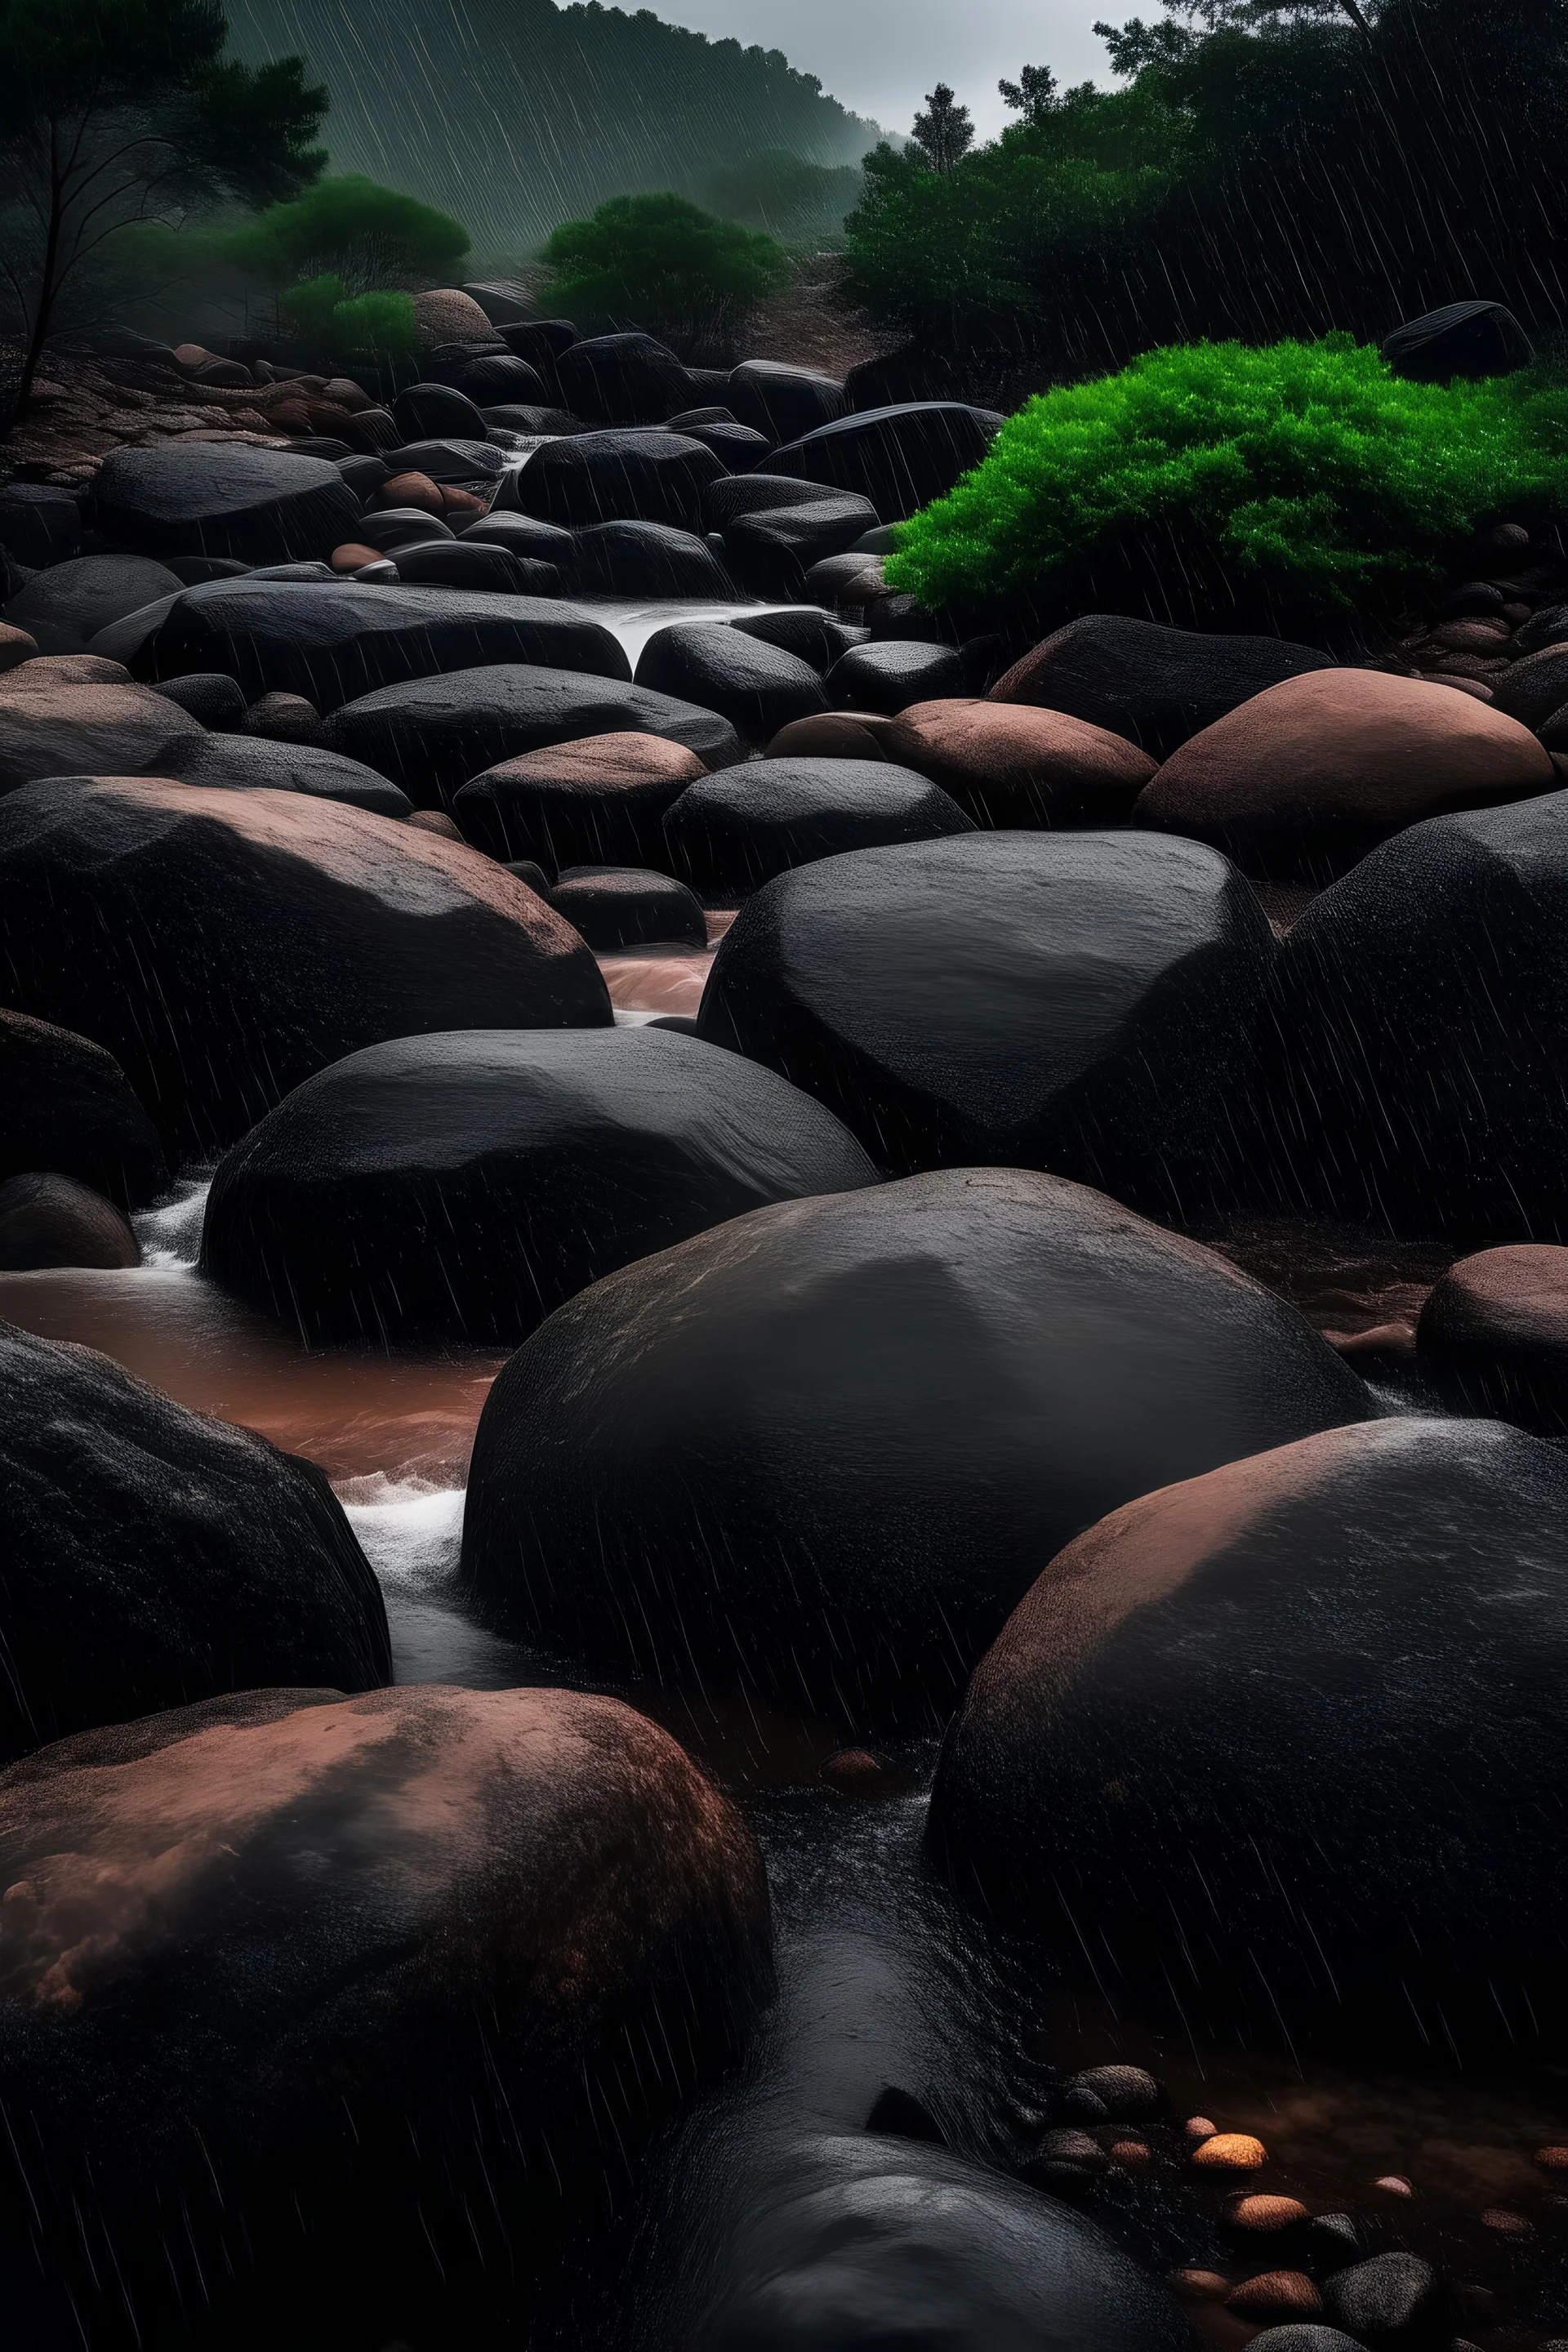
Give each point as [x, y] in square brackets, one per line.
[1266, 2213]
[1507, 2224]
[1123, 2094]
[1231, 2152]
[1132, 2155]
[1197, 2286]
[1552, 2159]
[1072, 2148]
[1275, 2294]
[1199, 2127]
[1394, 2184]
[352, 554]
[855, 1770]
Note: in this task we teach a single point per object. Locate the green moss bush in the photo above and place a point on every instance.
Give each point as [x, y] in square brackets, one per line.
[663, 264]
[1302, 482]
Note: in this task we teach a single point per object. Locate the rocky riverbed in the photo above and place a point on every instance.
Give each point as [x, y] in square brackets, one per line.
[783, 1400]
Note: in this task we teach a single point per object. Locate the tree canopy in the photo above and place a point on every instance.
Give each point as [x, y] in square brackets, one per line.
[351, 229]
[663, 264]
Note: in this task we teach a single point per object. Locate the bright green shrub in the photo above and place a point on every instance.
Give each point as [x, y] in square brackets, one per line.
[1303, 480]
[663, 264]
[377, 323]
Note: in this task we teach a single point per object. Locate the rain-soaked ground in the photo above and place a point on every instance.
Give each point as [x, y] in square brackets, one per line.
[985, 2023]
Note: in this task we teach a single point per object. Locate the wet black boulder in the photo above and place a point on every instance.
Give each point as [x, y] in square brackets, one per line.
[1290, 1739]
[1087, 1003]
[459, 1187]
[436, 734]
[63, 609]
[1156, 686]
[732, 832]
[370, 1979]
[226, 945]
[424, 412]
[627, 379]
[67, 1104]
[154, 1556]
[900, 458]
[626, 476]
[832, 1441]
[1423, 1015]
[50, 1220]
[1465, 339]
[783, 402]
[650, 559]
[758, 688]
[221, 498]
[257, 762]
[333, 640]
[771, 550]
[626, 906]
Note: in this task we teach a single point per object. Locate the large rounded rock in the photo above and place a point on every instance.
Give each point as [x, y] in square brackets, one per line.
[743, 494]
[1423, 1015]
[334, 640]
[1493, 1335]
[831, 1442]
[530, 540]
[1465, 339]
[65, 1103]
[782, 401]
[461, 1187]
[40, 525]
[617, 907]
[226, 945]
[598, 800]
[618, 477]
[622, 380]
[1304, 778]
[890, 677]
[48, 1220]
[64, 608]
[437, 733]
[730, 834]
[366, 1983]
[1012, 766]
[493, 570]
[499, 379]
[154, 1556]
[1292, 1739]
[222, 498]
[757, 687]
[451, 458]
[650, 559]
[1156, 686]
[900, 458]
[253, 763]
[426, 411]
[1080, 1001]
[1529, 689]
[52, 727]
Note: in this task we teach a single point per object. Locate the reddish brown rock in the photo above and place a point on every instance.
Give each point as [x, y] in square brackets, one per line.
[599, 800]
[1276, 2295]
[352, 554]
[1307, 776]
[1012, 765]
[52, 726]
[445, 315]
[361, 1989]
[838, 735]
[1493, 1335]
[15, 646]
[435, 820]
[416, 490]
[224, 945]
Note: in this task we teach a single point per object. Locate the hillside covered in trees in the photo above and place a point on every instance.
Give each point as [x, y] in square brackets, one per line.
[515, 114]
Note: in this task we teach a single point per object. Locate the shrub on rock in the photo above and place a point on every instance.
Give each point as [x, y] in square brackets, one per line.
[461, 1187]
[594, 800]
[154, 1556]
[732, 832]
[65, 1103]
[222, 498]
[1354, 1647]
[226, 945]
[832, 1441]
[1086, 1002]
[372, 1979]
[1307, 776]
[435, 735]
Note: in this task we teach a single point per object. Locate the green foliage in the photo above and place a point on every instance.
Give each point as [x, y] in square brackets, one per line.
[663, 264]
[784, 193]
[1306, 477]
[321, 313]
[944, 132]
[999, 236]
[351, 229]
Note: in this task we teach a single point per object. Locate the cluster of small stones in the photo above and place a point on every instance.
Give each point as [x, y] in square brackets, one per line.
[1471, 640]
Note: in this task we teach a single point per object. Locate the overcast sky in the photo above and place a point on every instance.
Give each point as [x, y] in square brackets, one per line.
[878, 57]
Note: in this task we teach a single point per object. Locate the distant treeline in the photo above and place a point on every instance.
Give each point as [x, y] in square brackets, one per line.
[515, 115]
[1266, 171]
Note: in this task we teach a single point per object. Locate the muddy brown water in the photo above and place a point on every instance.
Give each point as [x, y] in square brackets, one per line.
[394, 1434]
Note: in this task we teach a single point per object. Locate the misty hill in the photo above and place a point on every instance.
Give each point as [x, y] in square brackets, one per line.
[514, 114]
